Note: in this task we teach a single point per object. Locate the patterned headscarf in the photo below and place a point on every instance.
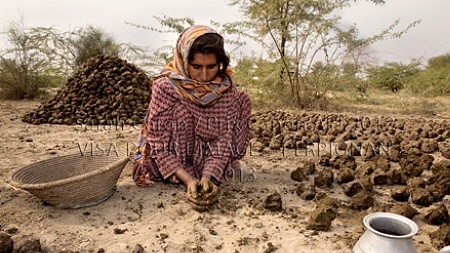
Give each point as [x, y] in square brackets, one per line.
[201, 93]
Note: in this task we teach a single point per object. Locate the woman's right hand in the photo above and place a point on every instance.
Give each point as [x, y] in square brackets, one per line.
[191, 191]
[189, 181]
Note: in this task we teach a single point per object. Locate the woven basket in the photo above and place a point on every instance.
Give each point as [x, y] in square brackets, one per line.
[71, 181]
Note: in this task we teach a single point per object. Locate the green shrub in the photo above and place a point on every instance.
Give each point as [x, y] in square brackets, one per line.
[18, 82]
[431, 82]
[393, 75]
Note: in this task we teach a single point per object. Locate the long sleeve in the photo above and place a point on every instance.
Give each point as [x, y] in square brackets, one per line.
[215, 130]
[216, 163]
[160, 128]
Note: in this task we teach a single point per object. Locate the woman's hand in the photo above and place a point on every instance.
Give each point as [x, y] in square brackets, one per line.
[202, 195]
[191, 189]
[210, 190]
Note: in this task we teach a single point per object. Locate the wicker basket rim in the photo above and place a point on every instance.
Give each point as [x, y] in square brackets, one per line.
[73, 179]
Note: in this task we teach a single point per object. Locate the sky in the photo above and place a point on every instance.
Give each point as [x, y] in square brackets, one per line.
[428, 39]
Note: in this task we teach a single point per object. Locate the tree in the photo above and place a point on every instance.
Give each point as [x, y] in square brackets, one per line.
[258, 77]
[439, 62]
[89, 42]
[299, 33]
[375, 1]
[162, 55]
[352, 78]
[86, 42]
[393, 75]
[434, 80]
[37, 57]
[31, 62]
[176, 26]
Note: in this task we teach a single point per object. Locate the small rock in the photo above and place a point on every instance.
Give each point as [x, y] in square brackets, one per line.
[421, 197]
[405, 209]
[259, 225]
[324, 178]
[345, 175]
[12, 230]
[320, 218]
[138, 249]
[27, 245]
[379, 177]
[6, 243]
[270, 248]
[119, 231]
[400, 193]
[437, 216]
[362, 200]
[305, 192]
[273, 202]
[416, 182]
[441, 237]
[352, 188]
[298, 175]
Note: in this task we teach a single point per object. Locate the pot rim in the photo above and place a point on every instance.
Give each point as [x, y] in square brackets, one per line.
[370, 217]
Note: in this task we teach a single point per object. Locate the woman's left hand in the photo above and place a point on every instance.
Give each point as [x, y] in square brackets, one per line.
[209, 189]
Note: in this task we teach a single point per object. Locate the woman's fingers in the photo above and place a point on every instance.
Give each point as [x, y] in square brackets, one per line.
[198, 208]
[213, 192]
[206, 185]
[202, 201]
[208, 195]
[192, 189]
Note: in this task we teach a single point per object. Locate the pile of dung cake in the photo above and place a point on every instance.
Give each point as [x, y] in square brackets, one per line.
[104, 90]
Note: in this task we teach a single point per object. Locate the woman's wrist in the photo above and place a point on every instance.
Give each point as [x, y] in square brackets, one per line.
[184, 176]
[207, 176]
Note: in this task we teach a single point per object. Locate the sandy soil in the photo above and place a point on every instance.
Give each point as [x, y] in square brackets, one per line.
[159, 218]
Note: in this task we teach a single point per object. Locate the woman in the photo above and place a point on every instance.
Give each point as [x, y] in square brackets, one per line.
[197, 125]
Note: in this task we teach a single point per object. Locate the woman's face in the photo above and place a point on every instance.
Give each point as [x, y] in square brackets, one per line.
[203, 68]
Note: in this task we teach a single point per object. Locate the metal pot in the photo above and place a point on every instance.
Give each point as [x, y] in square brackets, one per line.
[388, 233]
[446, 249]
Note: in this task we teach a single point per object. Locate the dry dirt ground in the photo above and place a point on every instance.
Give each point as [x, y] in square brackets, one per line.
[159, 218]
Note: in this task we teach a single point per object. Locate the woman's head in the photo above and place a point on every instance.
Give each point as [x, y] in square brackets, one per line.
[199, 70]
[207, 57]
[200, 54]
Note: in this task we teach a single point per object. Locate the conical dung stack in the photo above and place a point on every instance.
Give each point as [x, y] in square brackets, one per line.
[105, 90]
